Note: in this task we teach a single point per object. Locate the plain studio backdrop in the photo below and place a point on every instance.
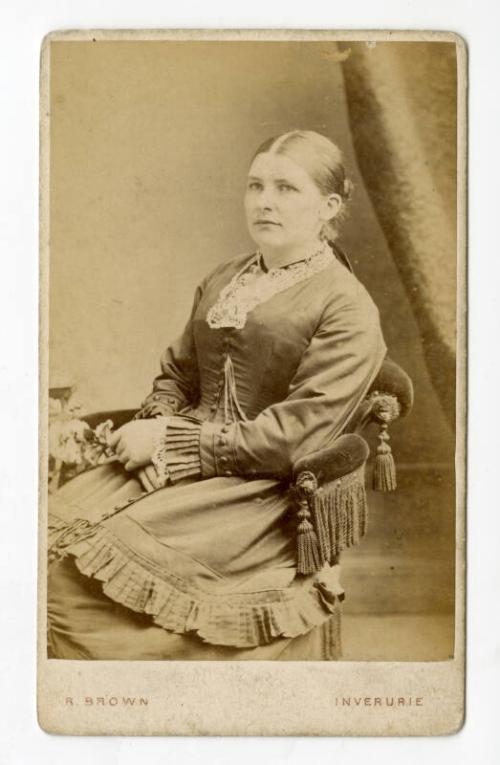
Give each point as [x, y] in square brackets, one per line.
[150, 145]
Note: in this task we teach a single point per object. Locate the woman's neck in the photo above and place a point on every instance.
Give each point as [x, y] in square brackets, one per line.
[278, 257]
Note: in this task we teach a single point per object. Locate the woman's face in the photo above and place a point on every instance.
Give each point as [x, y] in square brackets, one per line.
[283, 205]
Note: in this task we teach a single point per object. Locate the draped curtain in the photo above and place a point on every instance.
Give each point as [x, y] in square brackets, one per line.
[402, 110]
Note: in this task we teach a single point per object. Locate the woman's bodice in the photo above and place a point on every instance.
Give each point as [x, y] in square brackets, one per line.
[257, 360]
[288, 379]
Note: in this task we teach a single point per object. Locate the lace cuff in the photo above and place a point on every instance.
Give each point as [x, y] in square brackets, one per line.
[178, 453]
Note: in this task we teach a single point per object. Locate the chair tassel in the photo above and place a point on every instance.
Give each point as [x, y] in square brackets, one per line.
[308, 554]
[384, 470]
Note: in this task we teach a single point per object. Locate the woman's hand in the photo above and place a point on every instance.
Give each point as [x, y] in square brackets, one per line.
[136, 441]
[149, 478]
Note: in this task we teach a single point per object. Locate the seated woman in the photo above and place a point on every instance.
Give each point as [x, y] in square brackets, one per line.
[184, 547]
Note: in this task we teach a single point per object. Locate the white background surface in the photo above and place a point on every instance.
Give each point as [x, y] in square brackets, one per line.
[23, 24]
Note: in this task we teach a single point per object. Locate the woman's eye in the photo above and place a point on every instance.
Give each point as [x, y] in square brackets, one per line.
[254, 185]
[286, 187]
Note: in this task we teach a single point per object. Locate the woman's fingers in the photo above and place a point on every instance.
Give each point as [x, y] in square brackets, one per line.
[117, 443]
[144, 479]
[114, 438]
[122, 453]
[120, 449]
[153, 476]
[149, 478]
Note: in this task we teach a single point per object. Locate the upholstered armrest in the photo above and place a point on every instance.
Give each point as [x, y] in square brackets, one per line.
[390, 397]
[329, 487]
[393, 381]
[345, 455]
[330, 501]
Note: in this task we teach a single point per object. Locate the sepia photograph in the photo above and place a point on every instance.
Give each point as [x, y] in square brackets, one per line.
[252, 403]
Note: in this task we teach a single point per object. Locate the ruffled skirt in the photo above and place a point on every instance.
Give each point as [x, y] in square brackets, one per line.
[200, 570]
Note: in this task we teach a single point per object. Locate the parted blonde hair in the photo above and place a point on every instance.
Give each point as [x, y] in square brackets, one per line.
[322, 160]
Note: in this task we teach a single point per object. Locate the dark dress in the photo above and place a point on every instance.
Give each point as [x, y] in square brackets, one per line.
[264, 373]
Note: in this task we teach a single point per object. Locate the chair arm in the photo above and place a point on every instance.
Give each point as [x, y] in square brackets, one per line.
[347, 453]
[393, 381]
[389, 397]
[330, 501]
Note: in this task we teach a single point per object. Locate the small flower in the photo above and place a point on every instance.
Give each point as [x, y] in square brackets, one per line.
[103, 432]
[73, 442]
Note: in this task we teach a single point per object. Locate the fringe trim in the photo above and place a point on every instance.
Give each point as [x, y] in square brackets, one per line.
[241, 619]
[336, 518]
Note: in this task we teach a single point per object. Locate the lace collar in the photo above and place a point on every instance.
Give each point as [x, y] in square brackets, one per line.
[252, 285]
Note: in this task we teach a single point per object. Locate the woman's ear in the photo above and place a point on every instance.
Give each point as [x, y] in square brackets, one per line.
[333, 203]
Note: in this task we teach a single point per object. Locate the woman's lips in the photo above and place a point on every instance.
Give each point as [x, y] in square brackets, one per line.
[266, 223]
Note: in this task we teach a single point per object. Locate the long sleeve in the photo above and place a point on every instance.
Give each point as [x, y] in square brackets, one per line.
[178, 383]
[330, 382]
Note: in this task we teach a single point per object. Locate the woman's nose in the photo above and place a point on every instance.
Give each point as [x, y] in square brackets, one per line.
[265, 200]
